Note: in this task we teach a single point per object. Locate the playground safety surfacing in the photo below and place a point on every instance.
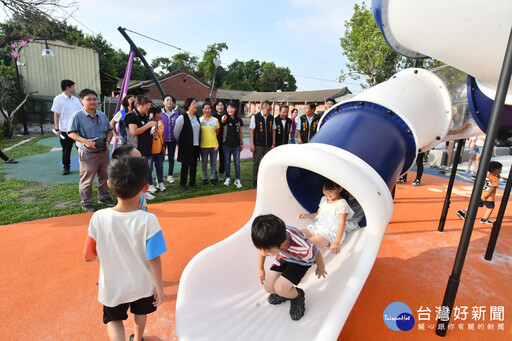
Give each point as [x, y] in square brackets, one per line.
[49, 293]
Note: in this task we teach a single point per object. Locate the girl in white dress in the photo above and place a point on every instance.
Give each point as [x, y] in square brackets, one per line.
[332, 220]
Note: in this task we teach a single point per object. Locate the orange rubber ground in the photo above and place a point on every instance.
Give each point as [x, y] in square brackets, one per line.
[49, 293]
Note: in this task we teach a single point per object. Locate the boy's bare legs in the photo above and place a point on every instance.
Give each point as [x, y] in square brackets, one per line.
[139, 324]
[487, 213]
[116, 330]
[284, 288]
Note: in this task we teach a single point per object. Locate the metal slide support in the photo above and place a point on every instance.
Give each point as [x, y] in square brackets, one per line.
[134, 48]
[124, 90]
[492, 132]
[447, 202]
[499, 219]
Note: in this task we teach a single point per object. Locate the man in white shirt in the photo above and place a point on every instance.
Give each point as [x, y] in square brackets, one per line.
[64, 105]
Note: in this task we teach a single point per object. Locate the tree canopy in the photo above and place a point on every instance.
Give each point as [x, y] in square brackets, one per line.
[368, 53]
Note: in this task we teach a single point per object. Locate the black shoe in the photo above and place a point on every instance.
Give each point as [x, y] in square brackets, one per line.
[66, 171]
[461, 214]
[132, 336]
[298, 305]
[276, 299]
[109, 202]
[213, 182]
[254, 184]
[205, 181]
[88, 208]
[195, 186]
[486, 221]
[183, 187]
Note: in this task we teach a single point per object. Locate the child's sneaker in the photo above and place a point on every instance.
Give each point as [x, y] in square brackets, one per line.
[227, 182]
[152, 189]
[416, 183]
[220, 177]
[161, 187]
[149, 196]
[486, 222]
[298, 305]
[238, 184]
[276, 299]
[461, 214]
[170, 179]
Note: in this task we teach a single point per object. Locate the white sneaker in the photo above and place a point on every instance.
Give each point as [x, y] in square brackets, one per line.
[238, 184]
[149, 196]
[227, 182]
[152, 189]
[170, 179]
[161, 187]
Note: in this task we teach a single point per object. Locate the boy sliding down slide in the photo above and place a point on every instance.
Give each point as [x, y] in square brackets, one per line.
[295, 255]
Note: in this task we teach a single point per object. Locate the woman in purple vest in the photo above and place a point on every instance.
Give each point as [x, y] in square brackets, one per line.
[170, 113]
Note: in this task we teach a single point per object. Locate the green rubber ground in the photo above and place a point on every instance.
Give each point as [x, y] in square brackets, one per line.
[47, 168]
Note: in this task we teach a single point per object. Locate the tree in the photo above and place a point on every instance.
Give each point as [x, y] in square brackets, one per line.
[275, 78]
[368, 53]
[177, 61]
[206, 69]
[9, 96]
[29, 11]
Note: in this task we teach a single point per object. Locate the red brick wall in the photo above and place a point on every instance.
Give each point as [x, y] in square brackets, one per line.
[181, 86]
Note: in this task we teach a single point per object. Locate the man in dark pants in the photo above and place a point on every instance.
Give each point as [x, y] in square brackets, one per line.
[263, 137]
[65, 105]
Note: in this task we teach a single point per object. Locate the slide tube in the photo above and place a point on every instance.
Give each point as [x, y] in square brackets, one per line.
[220, 297]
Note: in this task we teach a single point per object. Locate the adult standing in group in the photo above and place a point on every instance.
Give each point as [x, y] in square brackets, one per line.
[188, 134]
[118, 121]
[170, 113]
[263, 137]
[65, 105]
[308, 123]
[218, 112]
[209, 144]
[328, 105]
[295, 113]
[138, 134]
[233, 139]
[283, 126]
[91, 130]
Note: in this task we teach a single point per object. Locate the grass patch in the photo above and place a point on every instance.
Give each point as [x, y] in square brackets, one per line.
[27, 149]
[25, 201]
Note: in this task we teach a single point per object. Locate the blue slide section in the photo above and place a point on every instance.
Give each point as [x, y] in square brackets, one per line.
[369, 131]
[481, 106]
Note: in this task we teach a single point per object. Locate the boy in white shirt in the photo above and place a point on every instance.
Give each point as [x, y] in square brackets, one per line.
[128, 243]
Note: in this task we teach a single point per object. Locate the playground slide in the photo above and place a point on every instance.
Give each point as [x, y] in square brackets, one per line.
[220, 297]
[363, 144]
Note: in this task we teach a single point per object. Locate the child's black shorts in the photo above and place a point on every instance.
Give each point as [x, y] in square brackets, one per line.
[291, 271]
[488, 204]
[140, 307]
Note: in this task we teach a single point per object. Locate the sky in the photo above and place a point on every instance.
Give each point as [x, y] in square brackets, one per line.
[302, 35]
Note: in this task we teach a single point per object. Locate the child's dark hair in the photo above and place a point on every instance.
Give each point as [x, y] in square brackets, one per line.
[121, 151]
[268, 231]
[493, 165]
[128, 175]
[331, 185]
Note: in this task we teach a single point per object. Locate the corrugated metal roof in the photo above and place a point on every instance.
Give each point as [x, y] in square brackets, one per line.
[296, 96]
[232, 94]
[44, 74]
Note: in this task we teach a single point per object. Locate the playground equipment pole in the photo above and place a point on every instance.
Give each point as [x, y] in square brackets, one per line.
[492, 132]
[447, 202]
[134, 48]
[499, 219]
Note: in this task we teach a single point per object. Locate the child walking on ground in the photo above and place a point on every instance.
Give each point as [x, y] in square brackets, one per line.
[295, 255]
[128, 243]
[492, 182]
[333, 220]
